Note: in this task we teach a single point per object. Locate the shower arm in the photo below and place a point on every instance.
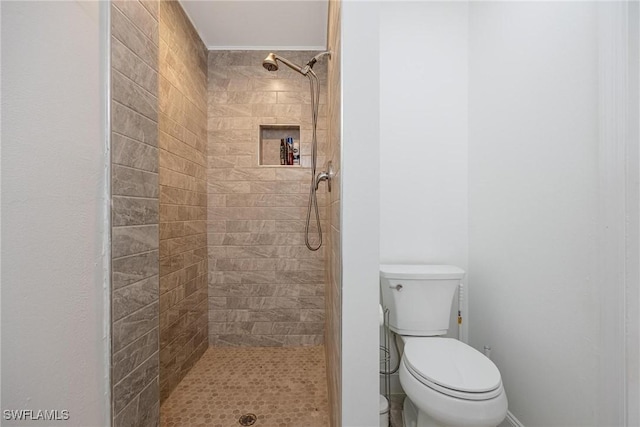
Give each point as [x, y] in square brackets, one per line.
[302, 70]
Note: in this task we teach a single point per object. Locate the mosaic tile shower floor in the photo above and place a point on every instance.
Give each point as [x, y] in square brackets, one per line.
[283, 387]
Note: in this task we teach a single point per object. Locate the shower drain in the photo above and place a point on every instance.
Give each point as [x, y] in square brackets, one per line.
[247, 419]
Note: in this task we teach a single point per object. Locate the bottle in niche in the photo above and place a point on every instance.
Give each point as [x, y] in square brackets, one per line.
[283, 152]
[296, 152]
[289, 151]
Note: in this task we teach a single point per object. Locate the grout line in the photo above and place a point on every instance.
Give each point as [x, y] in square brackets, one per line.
[140, 30]
[185, 220]
[135, 283]
[177, 155]
[133, 342]
[176, 286]
[135, 312]
[188, 325]
[157, 19]
[134, 54]
[121, 41]
[154, 96]
[134, 197]
[137, 226]
[183, 142]
[184, 158]
[136, 254]
[141, 363]
[184, 95]
[184, 252]
[115, 101]
[135, 169]
[182, 173]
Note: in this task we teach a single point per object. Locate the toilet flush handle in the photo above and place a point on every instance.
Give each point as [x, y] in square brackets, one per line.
[397, 287]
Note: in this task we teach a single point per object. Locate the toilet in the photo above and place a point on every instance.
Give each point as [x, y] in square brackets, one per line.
[447, 382]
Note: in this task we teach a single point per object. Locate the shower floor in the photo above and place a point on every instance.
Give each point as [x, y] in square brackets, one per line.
[283, 387]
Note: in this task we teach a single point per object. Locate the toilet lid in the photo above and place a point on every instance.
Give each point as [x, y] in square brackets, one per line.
[452, 366]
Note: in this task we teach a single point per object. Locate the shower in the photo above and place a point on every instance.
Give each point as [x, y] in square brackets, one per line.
[270, 63]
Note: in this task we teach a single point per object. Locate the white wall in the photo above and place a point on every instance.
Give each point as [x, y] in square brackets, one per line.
[633, 213]
[423, 136]
[360, 214]
[423, 132]
[0, 207]
[531, 159]
[54, 159]
[533, 205]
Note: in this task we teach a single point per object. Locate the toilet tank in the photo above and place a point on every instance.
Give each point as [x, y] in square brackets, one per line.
[419, 297]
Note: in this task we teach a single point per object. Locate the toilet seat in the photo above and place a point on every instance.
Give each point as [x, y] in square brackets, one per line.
[451, 367]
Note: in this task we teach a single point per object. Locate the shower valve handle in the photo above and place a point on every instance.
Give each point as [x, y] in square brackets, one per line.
[325, 176]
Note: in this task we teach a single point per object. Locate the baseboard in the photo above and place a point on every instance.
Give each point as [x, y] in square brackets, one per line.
[512, 420]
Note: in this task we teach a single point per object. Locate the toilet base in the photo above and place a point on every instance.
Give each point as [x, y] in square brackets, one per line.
[426, 407]
[411, 416]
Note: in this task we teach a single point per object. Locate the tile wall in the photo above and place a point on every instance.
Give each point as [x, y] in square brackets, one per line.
[134, 234]
[183, 199]
[190, 200]
[265, 287]
[333, 255]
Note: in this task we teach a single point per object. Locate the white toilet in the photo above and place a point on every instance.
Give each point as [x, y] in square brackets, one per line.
[447, 382]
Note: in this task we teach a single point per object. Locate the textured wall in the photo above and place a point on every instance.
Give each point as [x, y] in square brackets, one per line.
[528, 209]
[265, 287]
[134, 188]
[183, 197]
[333, 258]
[53, 210]
[434, 226]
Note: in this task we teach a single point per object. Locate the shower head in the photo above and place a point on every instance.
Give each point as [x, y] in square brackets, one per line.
[270, 63]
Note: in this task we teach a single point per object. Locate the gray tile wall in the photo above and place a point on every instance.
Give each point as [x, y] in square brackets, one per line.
[333, 346]
[265, 287]
[183, 198]
[134, 189]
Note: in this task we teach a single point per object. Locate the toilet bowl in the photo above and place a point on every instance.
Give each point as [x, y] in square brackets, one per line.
[447, 382]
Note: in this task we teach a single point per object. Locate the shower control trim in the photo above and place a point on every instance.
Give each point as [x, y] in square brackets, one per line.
[325, 176]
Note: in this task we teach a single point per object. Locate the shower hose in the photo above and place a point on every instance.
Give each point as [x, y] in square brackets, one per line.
[314, 86]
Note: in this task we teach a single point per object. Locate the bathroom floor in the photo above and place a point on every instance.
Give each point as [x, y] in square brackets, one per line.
[282, 387]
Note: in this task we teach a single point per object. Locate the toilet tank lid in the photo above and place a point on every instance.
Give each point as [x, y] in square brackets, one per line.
[420, 271]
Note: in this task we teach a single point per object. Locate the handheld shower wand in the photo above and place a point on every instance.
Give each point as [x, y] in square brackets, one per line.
[316, 58]
[270, 63]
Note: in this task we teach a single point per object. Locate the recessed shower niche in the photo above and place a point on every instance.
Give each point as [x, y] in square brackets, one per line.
[274, 149]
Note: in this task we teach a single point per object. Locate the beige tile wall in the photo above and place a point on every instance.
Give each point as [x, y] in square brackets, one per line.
[134, 189]
[183, 198]
[265, 287]
[333, 258]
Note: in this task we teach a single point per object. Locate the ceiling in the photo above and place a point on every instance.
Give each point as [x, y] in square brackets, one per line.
[261, 24]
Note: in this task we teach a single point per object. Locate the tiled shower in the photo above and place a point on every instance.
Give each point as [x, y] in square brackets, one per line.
[265, 287]
[208, 243]
[182, 177]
